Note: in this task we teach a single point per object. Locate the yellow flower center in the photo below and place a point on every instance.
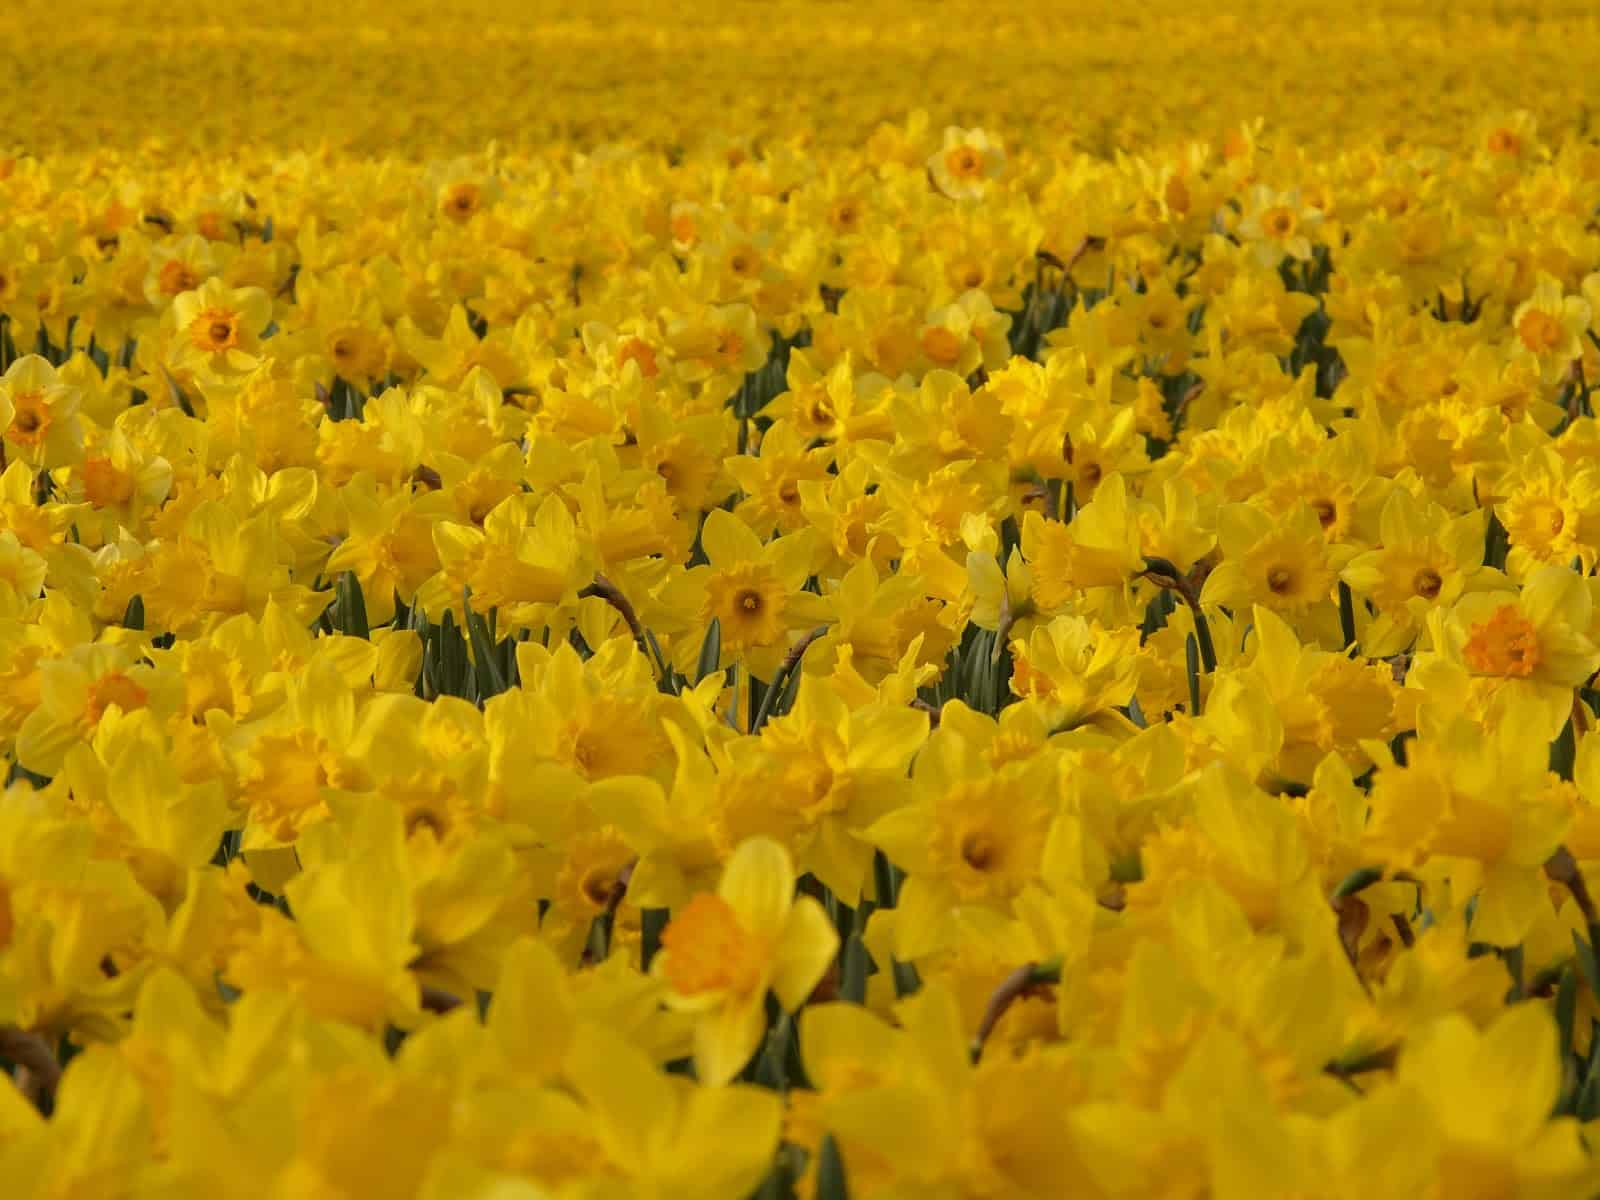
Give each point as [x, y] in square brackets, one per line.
[964, 162]
[1506, 644]
[113, 688]
[1427, 583]
[31, 420]
[1503, 141]
[978, 850]
[637, 351]
[284, 787]
[1539, 331]
[461, 201]
[597, 887]
[215, 329]
[105, 484]
[749, 603]
[708, 950]
[1280, 581]
[819, 412]
[176, 278]
[1278, 222]
[728, 348]
[941, 346]
[554, 1158]
[427, 818]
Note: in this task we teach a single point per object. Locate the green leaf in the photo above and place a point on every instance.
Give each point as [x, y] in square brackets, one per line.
[491, 681]
[350, 607]
[1512, 957]
[1564, 751]
[1496, 542]
[1587, 965]
[778, 1185]
[178, 396]
[1347, 614]
[855, 966]
[1358, 880]
[710, 651]
[651, 922]
[887, 878]
[771, 1067]
[830, 1171]
[668, 680]
[452, 656]
[1191, 657]
[1588, 1105]
[1566, 1006]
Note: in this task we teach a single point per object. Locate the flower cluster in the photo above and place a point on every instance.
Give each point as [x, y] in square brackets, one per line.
[814, 621]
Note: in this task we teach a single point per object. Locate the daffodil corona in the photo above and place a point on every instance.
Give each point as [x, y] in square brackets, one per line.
[724, 950]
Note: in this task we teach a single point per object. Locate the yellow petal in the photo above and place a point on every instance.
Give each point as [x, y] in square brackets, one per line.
[727, 1038]
[758, 882]
[808, 945]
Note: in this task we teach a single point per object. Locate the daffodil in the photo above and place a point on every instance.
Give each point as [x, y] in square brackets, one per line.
[1549, 327]
[217, 329]
[1426, 560]
[1278, 225]
[40, 408]
[723, 951]
[1284, 564]
[1076, 673]
[1497, 648]
[966, 163]
[1494, 1127]
[754, 591]
[1483, 811]
[972, 834]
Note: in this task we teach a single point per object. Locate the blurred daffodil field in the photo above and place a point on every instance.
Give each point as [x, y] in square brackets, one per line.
[876, 600]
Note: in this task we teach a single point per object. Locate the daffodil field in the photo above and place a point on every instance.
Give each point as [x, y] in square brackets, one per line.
[799, 600]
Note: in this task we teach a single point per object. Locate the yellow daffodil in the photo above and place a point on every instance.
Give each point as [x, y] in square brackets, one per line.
[723, 950]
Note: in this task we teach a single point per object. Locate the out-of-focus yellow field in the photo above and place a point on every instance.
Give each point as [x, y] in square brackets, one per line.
[812, 600]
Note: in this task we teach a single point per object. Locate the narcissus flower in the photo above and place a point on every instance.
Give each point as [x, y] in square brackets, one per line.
[724, 950]
[1077, 674]
[973, 835]
[1530, 647]
[964, 165]
[1490, 1093]
[39, 414]
[217, 329]
[1278, 225]
[754, 592]
[1427, 559]
[1283, 563]
[1549, 327]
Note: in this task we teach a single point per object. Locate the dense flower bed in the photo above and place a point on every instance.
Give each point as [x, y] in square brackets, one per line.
[957, 604]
